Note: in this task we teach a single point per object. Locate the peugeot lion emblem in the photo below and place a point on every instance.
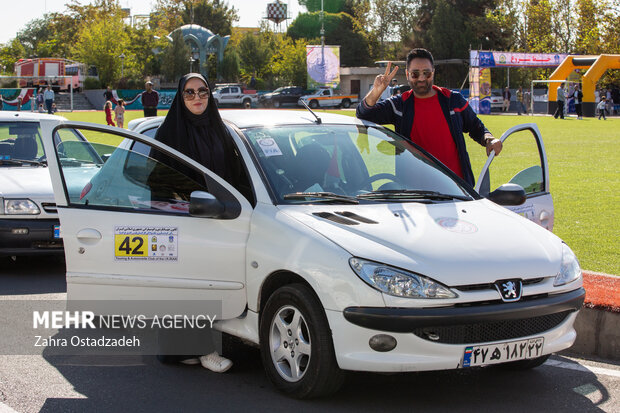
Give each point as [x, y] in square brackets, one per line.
[510, 290]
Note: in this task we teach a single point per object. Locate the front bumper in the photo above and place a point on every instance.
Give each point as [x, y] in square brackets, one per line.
[39, 239]
[435, 339]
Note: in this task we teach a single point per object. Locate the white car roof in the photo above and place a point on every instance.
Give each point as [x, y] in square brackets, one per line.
[244, 118]
[26, 116]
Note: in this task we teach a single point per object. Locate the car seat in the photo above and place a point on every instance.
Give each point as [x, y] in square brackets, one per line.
[25, 147]
[6, 149]
[312, 162]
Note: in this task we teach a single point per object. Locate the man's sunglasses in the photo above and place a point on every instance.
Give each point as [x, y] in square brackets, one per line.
[190, 94]
[417, 73]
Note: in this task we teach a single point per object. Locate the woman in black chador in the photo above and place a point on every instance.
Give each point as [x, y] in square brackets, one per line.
[194, 127]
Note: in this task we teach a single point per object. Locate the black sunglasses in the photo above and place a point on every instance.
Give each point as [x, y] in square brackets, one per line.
[190, 94]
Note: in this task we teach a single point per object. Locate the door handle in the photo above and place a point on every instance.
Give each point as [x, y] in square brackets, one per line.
[89, 236]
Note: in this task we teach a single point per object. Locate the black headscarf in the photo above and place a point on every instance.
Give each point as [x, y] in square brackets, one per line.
[203, 137]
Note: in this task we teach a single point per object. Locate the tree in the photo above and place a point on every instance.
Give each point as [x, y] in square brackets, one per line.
[214, 15]
[329, 6]
[230, 68]
[175, 58]
[289, 63]
[255, 54]
[340, 29]
[588, 39]
[100, 43]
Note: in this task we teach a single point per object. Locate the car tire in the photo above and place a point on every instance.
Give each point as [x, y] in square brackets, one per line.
[524, 364]
[276, 104]
[313, 104]
[346, 103]
[247, 103]
[294, 312]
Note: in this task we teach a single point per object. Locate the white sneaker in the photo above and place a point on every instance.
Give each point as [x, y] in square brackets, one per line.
[215, 362]
[190, 362]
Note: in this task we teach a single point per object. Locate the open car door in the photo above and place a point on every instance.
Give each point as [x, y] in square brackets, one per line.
[143, 227]
[523, 161]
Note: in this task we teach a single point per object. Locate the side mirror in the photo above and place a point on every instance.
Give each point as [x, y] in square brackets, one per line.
[205, 205]
[508, 194]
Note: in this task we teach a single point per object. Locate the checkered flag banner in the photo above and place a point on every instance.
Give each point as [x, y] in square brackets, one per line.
[276, 12]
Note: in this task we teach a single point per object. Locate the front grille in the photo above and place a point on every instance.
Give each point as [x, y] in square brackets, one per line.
[49, 207]
[47, 244]
[491, 331]
[491, 286]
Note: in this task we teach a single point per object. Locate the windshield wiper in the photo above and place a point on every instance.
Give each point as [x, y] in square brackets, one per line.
[410, 194]
[22, 161]
[326, 196]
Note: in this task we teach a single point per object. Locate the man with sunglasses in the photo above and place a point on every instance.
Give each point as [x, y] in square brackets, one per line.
[433, 117]
[150, 100]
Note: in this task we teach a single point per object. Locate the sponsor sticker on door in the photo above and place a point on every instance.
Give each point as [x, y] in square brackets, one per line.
[146, 243]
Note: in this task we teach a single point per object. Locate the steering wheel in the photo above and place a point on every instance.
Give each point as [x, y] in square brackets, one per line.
[380, 176]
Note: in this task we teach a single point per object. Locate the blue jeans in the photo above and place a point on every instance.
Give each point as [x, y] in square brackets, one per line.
[48, 105]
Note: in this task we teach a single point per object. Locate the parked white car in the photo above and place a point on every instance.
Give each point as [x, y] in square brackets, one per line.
[29, 222]
[352, 250]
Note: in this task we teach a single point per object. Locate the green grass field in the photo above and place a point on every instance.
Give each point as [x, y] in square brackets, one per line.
[584, 169]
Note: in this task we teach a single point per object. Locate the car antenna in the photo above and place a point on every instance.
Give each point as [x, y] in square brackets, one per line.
[318, 120]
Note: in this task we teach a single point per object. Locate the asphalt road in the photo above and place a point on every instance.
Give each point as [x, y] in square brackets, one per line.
[141, 384]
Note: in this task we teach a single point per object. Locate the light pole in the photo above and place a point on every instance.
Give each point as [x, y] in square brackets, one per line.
[122, 57]
[191, 61]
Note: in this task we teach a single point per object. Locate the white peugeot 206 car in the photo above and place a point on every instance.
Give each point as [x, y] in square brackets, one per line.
[348, 249]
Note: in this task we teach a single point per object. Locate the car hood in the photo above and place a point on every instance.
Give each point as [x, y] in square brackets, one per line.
[456, 243]
[25, 181]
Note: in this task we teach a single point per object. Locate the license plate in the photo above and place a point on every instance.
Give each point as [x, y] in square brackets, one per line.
[503, 352]
[56, 231]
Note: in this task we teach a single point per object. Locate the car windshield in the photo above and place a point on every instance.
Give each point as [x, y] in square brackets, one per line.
[280, 89]
[20, 144]
[348, 163]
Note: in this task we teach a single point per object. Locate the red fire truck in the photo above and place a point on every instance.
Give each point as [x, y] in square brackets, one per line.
[48, 68]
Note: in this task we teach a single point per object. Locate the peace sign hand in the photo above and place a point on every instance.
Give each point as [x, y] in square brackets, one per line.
[380, 84]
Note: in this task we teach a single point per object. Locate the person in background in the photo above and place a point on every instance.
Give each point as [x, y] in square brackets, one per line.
[41, 109]
[54, 108]
[108, 95]
[520, 107]
[119, 113]
[48, 96]
[108, 113]
[506, 95]
[1, 102]
[578, 96]
[19, 103]
[40, 100]
[601, 108]
[560, 100]
[150, 100]
[609, 101]
[527, 100]
[435, 118]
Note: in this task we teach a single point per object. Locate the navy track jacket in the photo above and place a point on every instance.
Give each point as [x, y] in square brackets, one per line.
[399, 111]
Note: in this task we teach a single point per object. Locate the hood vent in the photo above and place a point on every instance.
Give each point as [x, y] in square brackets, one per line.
[356, 217]
[345, 218]
[335, 218]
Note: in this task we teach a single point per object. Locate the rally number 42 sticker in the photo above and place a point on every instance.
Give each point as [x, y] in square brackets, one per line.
[146, 243]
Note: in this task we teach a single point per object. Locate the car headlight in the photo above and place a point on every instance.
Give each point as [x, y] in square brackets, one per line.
[570, 270]
[399, 283]
[20, 207]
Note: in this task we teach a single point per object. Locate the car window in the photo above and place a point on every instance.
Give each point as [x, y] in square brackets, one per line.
[130, 180]
[518, 163]
[20, 141]
[325, 92]
[225, 90]
[344, 159]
